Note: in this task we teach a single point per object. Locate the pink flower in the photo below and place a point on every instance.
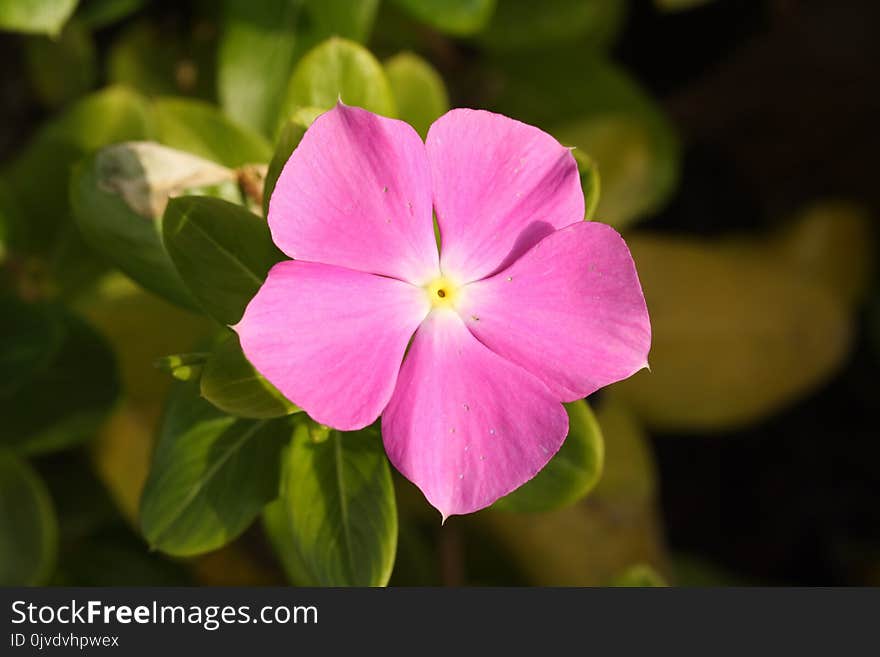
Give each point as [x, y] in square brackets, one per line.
[466, 353]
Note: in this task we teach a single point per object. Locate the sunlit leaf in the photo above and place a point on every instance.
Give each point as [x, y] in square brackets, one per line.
[736, 334]
[338, 69]
[458, 17]
[28, 527]
[232, 384]
[35, 16]
[211, 475]
[833, 243]
[221, 251]
[590, 181]
[183, 367]
[119, 195]
[639, 575]
[263, 38]
[202, 129]
[289, 139]
[418, 89]
[339, 510]
[570, 474]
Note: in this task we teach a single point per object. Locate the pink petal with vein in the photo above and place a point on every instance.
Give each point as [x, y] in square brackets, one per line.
[331, 339]
[357, 193]
[465, 425]
[570, 311]
[500, 186]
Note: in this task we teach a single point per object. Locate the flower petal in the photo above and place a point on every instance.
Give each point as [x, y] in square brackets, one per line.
[500, 186]
[570, 311]
[357, 193]
[465, 425]
[331, 339]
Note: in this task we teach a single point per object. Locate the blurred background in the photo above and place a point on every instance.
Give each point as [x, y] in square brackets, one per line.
[735, 144]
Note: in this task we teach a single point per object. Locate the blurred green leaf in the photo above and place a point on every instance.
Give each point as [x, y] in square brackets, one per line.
[418, 89]
[679, 5]
[28, 526]
[640, 575]
[63, 67]
[202, 129]
[31, 335]
[211, 475]
[221, 251]
[338, 69]
[598, 109]
[39, 177]
[159, 61]
[291, 134]
[118, 197]
[591, 542]
[459, 17]
[832, 242]
[590, 181]
[737, 334]
[263, 38]
[255, 58]
[232, 384]
[35, 16]
[96, 14]
[66, 400]
[183, 367]
[339, 510]
[519, 25]
[570, 474]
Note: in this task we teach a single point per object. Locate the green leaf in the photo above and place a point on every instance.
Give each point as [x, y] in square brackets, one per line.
[31, 336]
[221, 251]
[201, 128]
[183, 367]
[63, 67]
[35, 16]
[291, 134]
[570, 474]
[338, 69]
[640, 575]
[64, 402]
[159, 60]
[261, 41]
[418, 89]
[211, 475]
[590, 181]
[39, 177]
[737, 334]
[118, 197]
[232, 384]
[458, 17]
[339, 514]
[28, 527]
[522, 24]
[96, 14]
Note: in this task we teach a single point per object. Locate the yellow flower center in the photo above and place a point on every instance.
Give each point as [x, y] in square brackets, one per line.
[442, 292]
